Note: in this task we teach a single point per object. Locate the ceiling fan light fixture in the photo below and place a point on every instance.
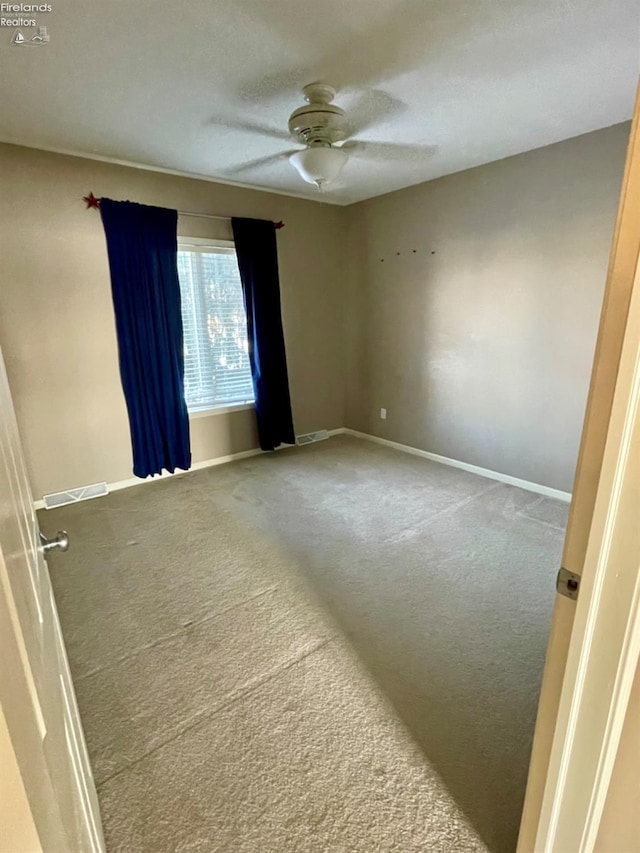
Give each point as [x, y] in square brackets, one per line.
[320, 164]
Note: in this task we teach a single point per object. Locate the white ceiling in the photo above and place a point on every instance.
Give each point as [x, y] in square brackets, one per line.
[461, 82]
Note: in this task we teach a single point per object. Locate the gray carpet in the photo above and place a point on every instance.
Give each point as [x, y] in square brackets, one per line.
[331, 648]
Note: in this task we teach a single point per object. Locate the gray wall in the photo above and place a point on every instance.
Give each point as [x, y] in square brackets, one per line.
[474, 307]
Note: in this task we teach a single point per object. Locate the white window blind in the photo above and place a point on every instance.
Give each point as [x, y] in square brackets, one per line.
[216, 361]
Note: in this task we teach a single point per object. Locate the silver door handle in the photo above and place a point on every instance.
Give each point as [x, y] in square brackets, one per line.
[60, 542]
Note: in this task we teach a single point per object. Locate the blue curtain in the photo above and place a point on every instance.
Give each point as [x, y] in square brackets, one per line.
[142, 248]
[255, 241]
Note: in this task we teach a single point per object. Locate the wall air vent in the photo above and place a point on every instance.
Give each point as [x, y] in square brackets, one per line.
[310, 437]
[82, 493]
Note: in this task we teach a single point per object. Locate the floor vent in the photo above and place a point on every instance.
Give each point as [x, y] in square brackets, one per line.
[82, 493]
[310, 437]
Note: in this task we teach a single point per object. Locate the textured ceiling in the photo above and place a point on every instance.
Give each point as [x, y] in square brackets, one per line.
[440, 85]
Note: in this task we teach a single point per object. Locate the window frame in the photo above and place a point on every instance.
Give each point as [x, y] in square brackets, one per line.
[224, 247]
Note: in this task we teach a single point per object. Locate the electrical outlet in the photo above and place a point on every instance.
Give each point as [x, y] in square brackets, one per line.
[383, 414]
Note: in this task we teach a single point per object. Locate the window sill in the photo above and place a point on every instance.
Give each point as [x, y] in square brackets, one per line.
[221, 410]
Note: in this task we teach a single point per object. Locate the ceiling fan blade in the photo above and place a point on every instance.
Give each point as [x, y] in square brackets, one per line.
[388, 150]
[248, 126]
[250, 165]
[370, 108]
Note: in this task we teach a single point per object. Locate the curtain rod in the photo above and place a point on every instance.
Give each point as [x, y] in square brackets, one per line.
[91, 201]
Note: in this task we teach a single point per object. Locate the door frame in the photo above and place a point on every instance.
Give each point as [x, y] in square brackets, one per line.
[604, 650]
[590, 672]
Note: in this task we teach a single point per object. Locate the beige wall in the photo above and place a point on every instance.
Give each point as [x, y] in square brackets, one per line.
[475, 303]
[56, 317]
[471, 305]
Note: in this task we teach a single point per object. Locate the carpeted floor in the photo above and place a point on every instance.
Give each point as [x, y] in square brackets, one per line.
[330, 648]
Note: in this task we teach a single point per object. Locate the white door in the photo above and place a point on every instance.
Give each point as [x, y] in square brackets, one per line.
[49, 802]
[598, 420]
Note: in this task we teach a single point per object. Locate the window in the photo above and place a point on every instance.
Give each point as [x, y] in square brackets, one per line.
[216, 353]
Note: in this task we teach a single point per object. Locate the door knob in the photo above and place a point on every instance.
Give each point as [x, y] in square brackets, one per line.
[60, 542]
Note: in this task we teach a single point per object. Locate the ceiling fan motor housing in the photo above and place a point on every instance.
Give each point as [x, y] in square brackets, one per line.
[320, 122]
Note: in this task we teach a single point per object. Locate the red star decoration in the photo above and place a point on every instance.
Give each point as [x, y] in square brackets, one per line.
[279, 224]
[91, 201]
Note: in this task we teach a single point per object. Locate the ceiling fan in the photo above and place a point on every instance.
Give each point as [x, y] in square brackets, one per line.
[324, 130]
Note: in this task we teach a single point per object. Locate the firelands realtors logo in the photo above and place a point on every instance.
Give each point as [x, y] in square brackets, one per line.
[11, 15]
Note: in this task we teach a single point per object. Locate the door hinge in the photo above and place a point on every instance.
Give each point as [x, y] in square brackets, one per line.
[568, 583]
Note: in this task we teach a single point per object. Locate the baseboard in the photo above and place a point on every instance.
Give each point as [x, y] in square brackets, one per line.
[547, 491]
[206, 463]
[197, 466]
[405, 448]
